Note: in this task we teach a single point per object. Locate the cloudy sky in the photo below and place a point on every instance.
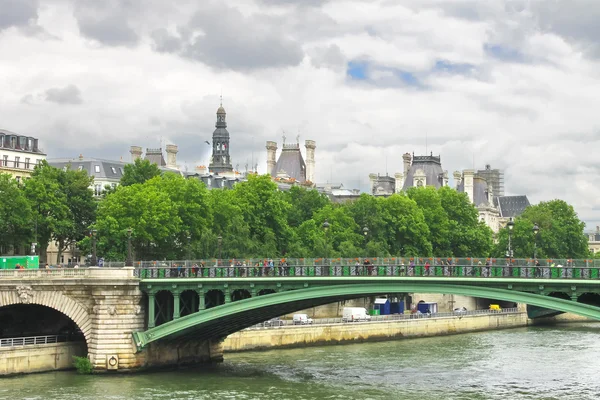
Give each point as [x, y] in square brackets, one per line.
[514, 84]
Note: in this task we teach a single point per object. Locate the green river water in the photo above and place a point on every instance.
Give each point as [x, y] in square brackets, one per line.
[555, 362]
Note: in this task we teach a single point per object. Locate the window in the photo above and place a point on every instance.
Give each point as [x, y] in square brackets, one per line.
[97, 168]
[5, 161]
[97, 189]
[18, 178]
[27, 163]
[114, 171]
[121, 170]
[17, 162]
[80, 168]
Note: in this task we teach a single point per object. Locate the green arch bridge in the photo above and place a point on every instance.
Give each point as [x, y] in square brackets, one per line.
[211, 303]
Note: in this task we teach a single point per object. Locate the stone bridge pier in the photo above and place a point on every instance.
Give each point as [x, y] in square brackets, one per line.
[107, 306]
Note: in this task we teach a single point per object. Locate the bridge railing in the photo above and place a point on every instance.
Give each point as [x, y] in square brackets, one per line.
[385, 318]
[33, 340]
[388, 261]
[181, 270]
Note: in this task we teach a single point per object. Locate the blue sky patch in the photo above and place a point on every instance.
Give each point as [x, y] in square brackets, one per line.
[452, 68]
[357, 70]
[503, 53]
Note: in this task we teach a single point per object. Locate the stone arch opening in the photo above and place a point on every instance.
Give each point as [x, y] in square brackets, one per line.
[188, 301]
[240, 294]
[214, 298]
[163, 307]
[45, 324]
[265, 291]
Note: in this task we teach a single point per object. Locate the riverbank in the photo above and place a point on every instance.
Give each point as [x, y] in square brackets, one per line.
[328, 334]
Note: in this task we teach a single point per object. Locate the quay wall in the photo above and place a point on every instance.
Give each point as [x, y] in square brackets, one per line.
[327, 334]
[39, 358]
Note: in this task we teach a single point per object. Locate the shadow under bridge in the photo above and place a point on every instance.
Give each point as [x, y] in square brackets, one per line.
[220, 321]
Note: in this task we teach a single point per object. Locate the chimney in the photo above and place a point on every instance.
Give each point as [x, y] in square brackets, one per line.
[457, 179]
[136, 152]
[399, 181]
[80, 157]
[407, 163]
[35, 145]
[172, 156]
[310, 145]
[468, 176]
[373, 181]
[271, 153]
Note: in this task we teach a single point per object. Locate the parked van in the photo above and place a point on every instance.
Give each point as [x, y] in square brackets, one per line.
[352, 314]
[302, 319]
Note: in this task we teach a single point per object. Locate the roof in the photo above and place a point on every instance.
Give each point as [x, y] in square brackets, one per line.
[155, 156]
[291, 163]
[381, 301]
[106, 169]
[511, 206]
[431, 166]
[480, 191]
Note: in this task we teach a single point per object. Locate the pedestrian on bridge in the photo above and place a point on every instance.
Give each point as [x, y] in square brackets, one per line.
[427, 266]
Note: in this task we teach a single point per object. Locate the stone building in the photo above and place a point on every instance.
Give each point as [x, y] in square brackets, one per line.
[19, 154]
[220, 161]
[290, 166]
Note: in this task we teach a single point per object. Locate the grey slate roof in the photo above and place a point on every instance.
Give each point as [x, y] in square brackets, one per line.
[480, 191]
[511, 206]
[432, 167]
[291, 161]
[107, 169]
[155, 156]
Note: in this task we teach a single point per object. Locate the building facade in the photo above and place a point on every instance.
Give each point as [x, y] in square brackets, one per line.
[290, 167]
[19, 154]
[220, 161]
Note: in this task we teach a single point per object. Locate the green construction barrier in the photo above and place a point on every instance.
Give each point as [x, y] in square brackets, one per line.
[374, 312]
[28, 262]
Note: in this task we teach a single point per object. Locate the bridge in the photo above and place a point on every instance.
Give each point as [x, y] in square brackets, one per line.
[192, 308]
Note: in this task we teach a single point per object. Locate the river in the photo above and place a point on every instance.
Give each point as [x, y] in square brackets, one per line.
[555, 362]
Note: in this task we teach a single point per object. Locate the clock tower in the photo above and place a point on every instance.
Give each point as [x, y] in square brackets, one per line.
[220, 161]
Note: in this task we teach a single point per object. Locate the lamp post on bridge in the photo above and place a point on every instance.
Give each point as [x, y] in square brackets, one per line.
[219, 242]
[326, 229]
[93, 261]
[365, 231]
[189, 248]
[536, 230]
[510, 225]
[129, 262]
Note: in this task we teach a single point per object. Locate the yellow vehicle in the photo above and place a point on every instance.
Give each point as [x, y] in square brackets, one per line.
[495, 307]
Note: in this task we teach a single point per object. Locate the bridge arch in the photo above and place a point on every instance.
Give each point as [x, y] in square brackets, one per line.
[231, 317]
[52, 299]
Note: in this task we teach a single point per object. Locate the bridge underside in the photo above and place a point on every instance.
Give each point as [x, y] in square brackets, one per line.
[220, 321]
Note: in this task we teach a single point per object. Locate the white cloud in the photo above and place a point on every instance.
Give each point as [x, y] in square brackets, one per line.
[512, 84]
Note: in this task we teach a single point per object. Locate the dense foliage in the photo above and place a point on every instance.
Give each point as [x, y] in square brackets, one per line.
[171, 217]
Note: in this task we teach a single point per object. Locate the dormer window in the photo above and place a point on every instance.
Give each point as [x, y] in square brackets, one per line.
[114, 171]
[97, 169]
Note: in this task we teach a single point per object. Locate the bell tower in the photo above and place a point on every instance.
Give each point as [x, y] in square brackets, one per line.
[220, 160]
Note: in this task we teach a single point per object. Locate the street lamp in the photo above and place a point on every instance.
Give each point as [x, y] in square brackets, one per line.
[510, 225]
[129, 262]
[536, 230]
[366, 234]
[93, 261]
[189, 243]
[220, 242]
[326, 228]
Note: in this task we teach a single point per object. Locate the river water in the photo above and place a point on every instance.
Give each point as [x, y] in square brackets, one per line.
[526, 363]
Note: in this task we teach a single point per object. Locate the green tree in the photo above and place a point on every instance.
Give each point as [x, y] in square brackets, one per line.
[48, 201]
[149, 212]
[139, 172]
[303, 204]
[16, 224]
[560, 233]
[467, 235]
[429, 201]
[367, 212]
[406, 230]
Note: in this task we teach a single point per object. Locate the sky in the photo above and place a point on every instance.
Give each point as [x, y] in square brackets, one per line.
[513, 84]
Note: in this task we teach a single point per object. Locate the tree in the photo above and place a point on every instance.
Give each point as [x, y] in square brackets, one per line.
[367, 211]
[560, 233]
[406, 230]
[467, 235]
[139, 172]
[48, 202]
[303, 204]
[436, 218]
[149, 212]
[16, 223]
[229, 223]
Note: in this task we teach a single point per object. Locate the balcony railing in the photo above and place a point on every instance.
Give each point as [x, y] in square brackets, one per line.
[21, 164]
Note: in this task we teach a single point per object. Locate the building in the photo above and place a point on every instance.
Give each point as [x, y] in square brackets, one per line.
[19, 154]
[594, 240]
[220, 161]
[494, 177]
[290, 166]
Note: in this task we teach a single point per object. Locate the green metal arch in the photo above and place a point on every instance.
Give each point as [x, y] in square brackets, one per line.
[231, 317]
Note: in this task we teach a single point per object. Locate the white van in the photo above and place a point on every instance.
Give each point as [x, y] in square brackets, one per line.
[302, 319]
[352, 314]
